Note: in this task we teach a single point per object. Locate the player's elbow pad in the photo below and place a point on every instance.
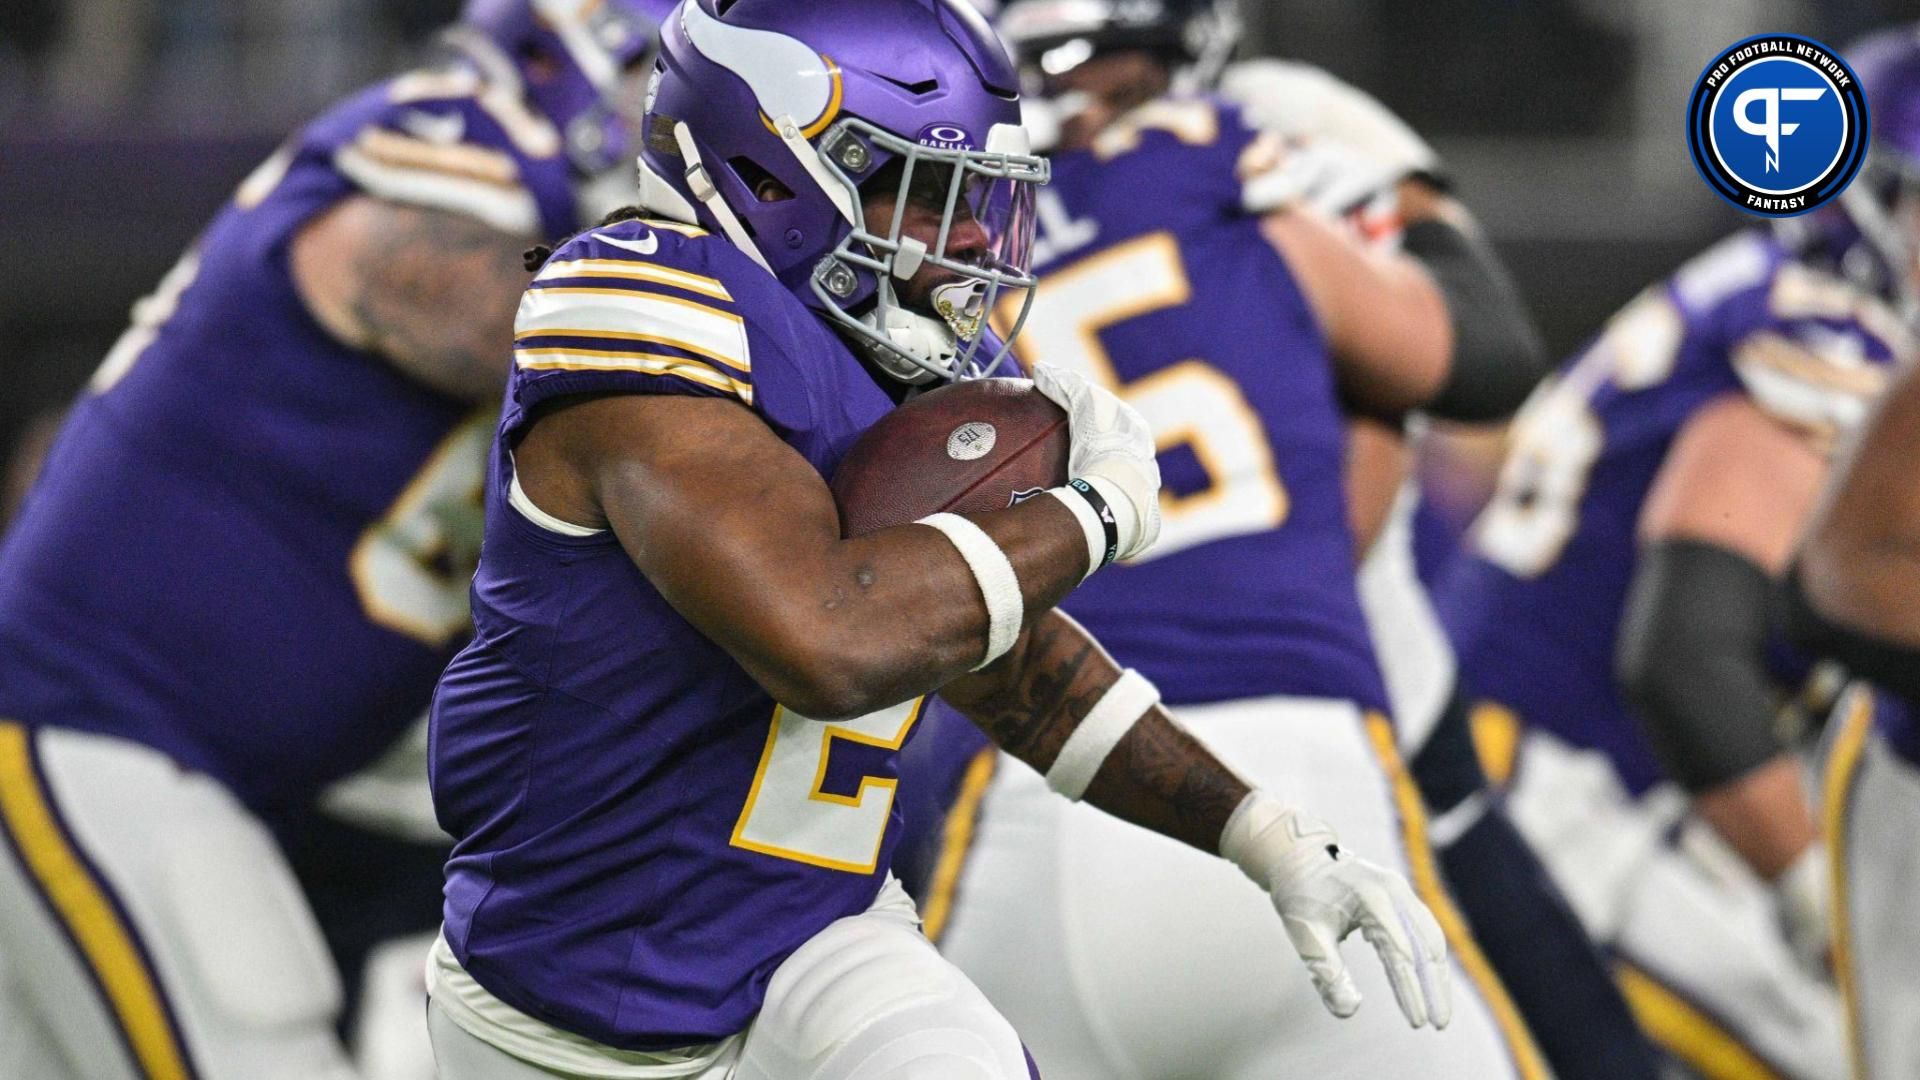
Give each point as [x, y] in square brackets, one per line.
[1497, 357]
[1691, 661]
[1888, 664]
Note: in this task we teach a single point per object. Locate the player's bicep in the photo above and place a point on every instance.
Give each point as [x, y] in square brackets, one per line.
[1385, 320]
[710, 504]
[1737, 479]
[431, 291]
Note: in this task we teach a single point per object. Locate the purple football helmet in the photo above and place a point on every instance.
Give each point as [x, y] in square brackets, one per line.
[766, 118]
[568, 59]
[1874, 238]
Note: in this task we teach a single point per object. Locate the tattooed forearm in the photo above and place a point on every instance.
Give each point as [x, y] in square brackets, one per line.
[433, 292]
[1162, 778]
[1041, 690]
[1159, 776]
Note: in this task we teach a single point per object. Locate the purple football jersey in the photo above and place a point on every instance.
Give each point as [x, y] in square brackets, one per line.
[245, 548]
[1157, 283]
[1534, 603]
[642, 836]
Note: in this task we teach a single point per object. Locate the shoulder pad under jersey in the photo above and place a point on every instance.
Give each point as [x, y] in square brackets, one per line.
[448, 140]
[1819, 351]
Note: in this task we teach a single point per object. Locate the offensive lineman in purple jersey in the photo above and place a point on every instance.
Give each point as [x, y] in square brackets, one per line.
[1160, 279]
[1349, 156]
[665, 865]
[243, 565]
[1617, 591]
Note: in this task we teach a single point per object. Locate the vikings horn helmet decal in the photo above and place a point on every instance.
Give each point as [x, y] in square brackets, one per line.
[775, 123]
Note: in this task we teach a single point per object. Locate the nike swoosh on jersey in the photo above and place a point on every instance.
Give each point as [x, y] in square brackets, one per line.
[445, 130]
[639, 247]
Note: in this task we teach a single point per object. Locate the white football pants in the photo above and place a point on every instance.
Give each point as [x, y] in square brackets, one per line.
[1695, 935]
[1872, 825]
[149, 926]
[1123, 955]
[1701, 958]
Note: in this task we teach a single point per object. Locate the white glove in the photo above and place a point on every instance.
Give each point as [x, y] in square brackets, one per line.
[1299, 101]
[1323, 894]
[1112, 450]
[1324, 173]
[1801, 891]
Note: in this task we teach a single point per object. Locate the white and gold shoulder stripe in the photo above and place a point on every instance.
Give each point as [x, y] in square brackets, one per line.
[1825, 394]
[627, 315]
[474, 180]
[624, 269]
[565, 358]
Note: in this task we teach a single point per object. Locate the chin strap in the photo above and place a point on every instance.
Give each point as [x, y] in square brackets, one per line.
[657, 196]
[702, 187]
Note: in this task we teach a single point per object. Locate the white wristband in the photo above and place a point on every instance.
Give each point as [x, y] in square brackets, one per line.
[1090, 523]
[999, 585]
[1121, 707]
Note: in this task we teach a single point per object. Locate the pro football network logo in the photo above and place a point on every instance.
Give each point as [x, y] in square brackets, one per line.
[1777, 124]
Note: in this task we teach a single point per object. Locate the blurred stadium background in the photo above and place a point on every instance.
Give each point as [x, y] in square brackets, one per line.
[125, 123]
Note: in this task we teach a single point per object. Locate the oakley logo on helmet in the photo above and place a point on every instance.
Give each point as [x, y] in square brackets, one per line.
[946, 137]
[1777, 125]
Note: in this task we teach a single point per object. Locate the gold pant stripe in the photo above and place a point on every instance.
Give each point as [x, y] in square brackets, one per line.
[78, 900]
[1426, 882]
[956, 841]
[1687, 1033]
[1843, 767]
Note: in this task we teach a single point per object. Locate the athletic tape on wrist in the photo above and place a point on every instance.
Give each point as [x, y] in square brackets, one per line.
[1121, 707]
[999, 585]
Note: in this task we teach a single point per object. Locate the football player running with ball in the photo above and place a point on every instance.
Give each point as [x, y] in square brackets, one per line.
[1181, 267]
[668, 754]
[246, 561]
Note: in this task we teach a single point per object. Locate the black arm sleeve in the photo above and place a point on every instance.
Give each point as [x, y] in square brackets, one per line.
[1691, 661]
[1497, 354]
[1890, 665]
